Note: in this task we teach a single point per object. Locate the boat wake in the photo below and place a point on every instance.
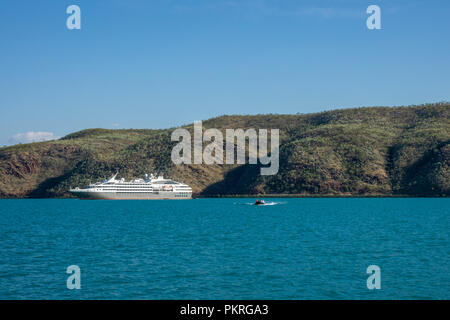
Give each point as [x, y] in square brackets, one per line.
[271, 203]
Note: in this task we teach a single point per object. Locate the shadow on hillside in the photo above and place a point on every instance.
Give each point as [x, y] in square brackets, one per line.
[42, 190]
[421, 177]
[240, 180]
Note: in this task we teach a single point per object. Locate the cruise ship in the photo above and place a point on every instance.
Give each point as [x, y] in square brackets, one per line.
[149, 187]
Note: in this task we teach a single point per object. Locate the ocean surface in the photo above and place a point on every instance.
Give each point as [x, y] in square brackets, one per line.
[225, 248]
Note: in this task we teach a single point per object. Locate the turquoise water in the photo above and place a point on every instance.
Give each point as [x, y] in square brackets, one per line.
[225, 249]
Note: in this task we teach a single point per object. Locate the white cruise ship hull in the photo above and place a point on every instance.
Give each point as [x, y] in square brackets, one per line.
[98, 195]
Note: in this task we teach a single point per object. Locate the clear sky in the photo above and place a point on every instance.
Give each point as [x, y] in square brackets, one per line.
[162, 63]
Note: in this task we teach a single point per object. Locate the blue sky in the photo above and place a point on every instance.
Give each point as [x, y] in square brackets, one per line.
[162, 63]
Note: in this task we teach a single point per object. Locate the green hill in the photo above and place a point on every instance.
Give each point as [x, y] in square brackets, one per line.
[363, 151]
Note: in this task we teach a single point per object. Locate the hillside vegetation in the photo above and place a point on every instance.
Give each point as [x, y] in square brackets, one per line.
[364, 151]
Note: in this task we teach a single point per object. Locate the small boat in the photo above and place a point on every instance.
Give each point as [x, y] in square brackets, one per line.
[259, 202]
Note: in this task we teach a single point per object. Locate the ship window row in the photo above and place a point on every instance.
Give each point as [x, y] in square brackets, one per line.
[123, 190]
[126, 187]
[135, 186]
[140, 184]
[134, 192]
[126, 184]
